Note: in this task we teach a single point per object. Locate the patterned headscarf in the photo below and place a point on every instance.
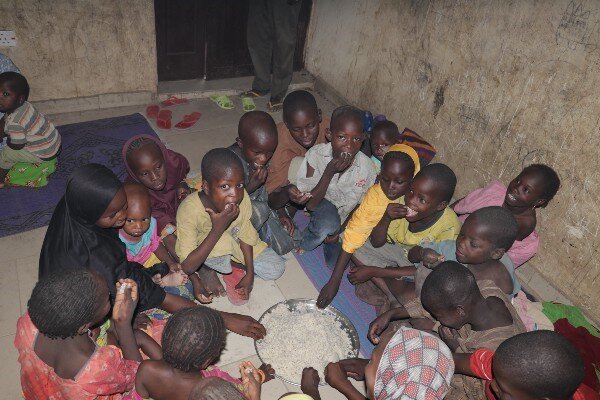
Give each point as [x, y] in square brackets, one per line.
[414, 365]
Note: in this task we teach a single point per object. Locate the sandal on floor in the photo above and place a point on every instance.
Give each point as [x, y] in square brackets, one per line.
[222, 101]
[253, 93]
[275, 105]
[231, 280]
[248, 104]
[163, 120]
[173, 101]
[152, 111]
[189, 120]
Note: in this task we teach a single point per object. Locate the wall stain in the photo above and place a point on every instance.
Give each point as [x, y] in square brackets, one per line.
[438, 99]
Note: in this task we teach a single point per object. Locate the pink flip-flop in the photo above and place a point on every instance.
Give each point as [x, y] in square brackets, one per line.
[152, 111]
[163, 120]
[173, 101]
[231, 281]
[189, 120]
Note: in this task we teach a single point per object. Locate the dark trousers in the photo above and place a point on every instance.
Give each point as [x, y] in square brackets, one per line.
[272, 26]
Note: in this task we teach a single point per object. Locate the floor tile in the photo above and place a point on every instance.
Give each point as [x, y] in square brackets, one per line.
[23, 244]
[9, 370]
[27, 272]
[294, 284]
[10, 305]
[264, 295]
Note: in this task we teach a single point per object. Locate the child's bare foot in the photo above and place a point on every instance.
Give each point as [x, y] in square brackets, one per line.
[211, 282]
[173, 279]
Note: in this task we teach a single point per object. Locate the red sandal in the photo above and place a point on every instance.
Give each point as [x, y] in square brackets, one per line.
[163, 120]
[152, 111]
[189, 120]
[173, 101]
[231, 281]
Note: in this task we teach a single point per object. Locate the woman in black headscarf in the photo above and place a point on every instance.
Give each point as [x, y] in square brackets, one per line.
[83, 233]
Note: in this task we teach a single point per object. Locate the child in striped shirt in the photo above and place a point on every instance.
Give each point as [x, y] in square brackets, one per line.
[32, 139]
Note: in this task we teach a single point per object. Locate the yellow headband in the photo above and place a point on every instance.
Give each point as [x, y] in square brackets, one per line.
[403, 148]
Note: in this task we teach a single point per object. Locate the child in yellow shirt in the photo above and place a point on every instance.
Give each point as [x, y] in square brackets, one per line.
[427, 218]
[214, 229]
[399, 166]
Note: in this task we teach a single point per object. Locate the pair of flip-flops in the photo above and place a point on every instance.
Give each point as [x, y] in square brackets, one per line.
[226, 104]
[274, 104]
[164, 117]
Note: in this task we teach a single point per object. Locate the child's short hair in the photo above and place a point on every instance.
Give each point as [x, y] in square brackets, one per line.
[450, 284]
[346, 112]
[400, 156]
[217, 160]
[214, 389]
[298, 100]
[17, 82]
[388, 128]
[550, 179]
[64, 301]
[443, 176]
[543, 364]
[258, 124]
[192, 337]
[501, 225]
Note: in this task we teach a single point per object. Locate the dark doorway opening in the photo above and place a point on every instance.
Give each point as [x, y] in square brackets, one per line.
[206, 39]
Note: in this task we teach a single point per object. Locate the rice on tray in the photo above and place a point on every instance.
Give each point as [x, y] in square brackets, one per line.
[302, 338]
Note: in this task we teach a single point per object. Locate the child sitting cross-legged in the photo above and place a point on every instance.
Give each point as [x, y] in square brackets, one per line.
[530, 366]
[472, 315]
[215, 231]
[29, 156]
[400, 164]
[59, 359]
[336, 176]
[255, 145]
[533, 188]
[481, 246]
[192, 341]
[422, 216]
[140, 236]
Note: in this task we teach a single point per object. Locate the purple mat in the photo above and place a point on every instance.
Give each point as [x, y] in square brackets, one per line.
[97, 141]
[361, 314]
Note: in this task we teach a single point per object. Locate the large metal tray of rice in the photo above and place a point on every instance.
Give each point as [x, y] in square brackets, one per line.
[299, 335]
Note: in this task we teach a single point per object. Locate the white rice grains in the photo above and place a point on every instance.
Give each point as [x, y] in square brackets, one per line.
[302, 338]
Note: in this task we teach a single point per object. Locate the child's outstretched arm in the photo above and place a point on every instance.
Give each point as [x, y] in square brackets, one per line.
[360, 274]
[337, 377]
[381, 323]
[220, 222]
[429, 257]
[332, 286]
[122, 315]
[162, 254]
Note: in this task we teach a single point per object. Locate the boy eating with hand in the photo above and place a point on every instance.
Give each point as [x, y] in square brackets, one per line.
[336, 176]
[255, 145]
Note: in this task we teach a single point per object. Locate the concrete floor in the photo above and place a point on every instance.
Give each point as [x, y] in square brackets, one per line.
[19, 253]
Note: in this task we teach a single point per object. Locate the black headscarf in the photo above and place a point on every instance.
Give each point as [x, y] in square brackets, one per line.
[74, 240]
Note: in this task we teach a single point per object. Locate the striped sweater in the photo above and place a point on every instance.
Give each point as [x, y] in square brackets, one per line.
[30, 127]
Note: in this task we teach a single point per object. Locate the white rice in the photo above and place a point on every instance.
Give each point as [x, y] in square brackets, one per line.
[302, 338]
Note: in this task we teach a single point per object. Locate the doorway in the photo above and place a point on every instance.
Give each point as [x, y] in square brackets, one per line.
[206, 39]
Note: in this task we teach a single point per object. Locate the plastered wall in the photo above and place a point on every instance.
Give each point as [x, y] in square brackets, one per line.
[495, 85]
[81, 48]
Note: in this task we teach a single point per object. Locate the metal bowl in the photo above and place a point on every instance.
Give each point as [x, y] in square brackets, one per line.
[311, 305]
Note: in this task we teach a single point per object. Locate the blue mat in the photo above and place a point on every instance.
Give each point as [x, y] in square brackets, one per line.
[361, 314]
[97, 141]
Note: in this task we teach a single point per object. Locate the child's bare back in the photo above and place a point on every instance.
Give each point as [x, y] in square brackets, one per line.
[495, 271]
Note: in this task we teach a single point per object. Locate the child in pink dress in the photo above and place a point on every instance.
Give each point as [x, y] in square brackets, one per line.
[533, 188]
[58, 358]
